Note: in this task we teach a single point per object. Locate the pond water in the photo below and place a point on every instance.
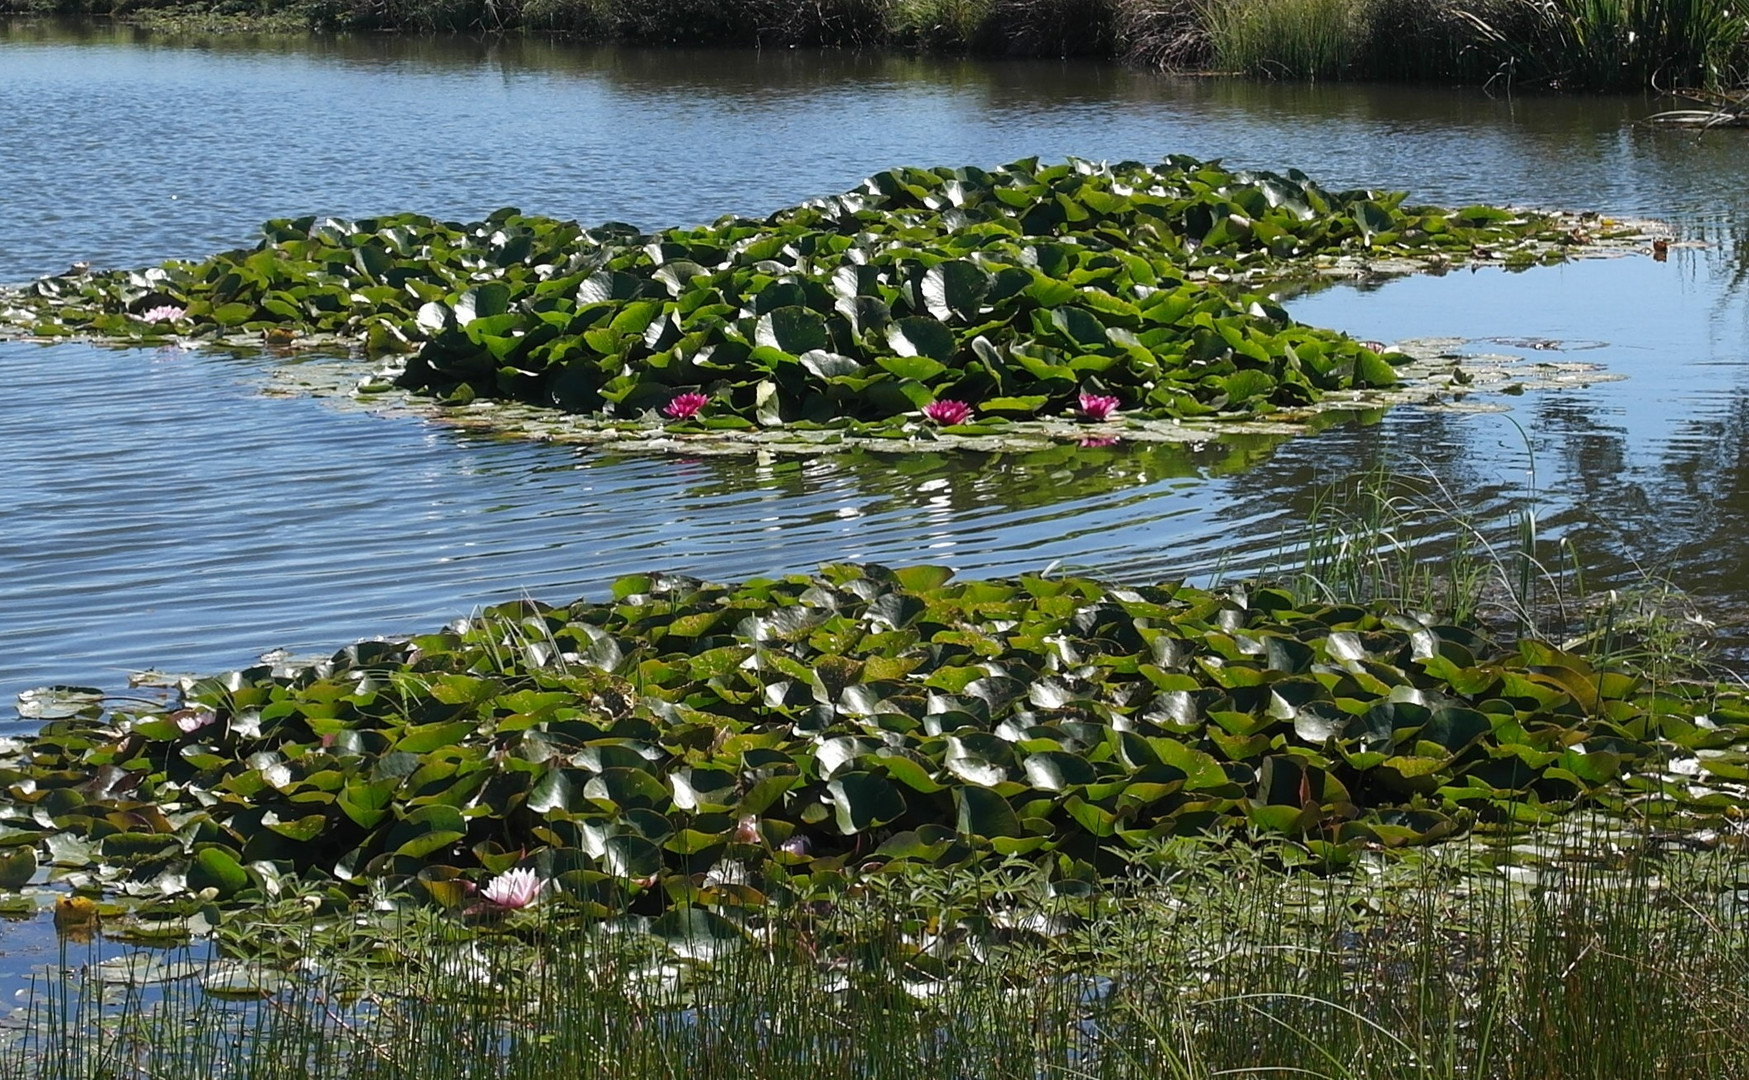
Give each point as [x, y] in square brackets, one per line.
[163, 513]
[159, 511]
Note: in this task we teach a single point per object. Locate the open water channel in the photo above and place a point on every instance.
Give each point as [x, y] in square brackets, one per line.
[156, 510]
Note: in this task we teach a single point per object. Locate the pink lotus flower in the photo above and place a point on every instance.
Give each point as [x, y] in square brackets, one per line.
[1098, 406]
[948, 412]
[163, 313]
[514, 889]
[685, 406]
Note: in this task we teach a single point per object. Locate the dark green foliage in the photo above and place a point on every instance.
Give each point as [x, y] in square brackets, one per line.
[1014, 291]
[809, 726]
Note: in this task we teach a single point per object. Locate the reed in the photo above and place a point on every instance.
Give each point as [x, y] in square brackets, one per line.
[1609, 44]
[1574, 44]
[1404, 540]
[1583, 952]
[1291, 39]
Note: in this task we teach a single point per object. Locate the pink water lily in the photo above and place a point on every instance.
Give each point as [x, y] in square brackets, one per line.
[163, 313]
[514, 889]
[1095, 441]
[685, 406]
[948, 412]
[189, 721]
[747, 830]
[1098, 406]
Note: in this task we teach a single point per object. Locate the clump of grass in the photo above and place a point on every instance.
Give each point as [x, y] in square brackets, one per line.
[945, 25]
[1584, 952]
[1651, 626]
[1383, 536]
[1293, 39]
[1607, 44]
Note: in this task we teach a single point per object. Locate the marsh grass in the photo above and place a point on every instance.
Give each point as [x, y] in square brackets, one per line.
[1603, 44]
[1576, 44]
[1403, 539]
[1581, 952]
[1290, 39]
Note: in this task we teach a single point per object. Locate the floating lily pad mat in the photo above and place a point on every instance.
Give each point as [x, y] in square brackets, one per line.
[964, 298]
[789, 732]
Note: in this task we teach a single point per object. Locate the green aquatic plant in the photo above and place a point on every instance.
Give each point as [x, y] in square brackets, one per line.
[677, 741]
[1604, 44]
[1020, 288]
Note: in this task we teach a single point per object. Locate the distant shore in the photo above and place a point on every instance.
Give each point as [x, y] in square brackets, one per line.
[1543, 44]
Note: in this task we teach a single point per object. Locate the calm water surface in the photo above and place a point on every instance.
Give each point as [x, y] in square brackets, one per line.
[159, 512]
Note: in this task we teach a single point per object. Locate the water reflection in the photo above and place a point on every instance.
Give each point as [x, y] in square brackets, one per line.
[192, 521]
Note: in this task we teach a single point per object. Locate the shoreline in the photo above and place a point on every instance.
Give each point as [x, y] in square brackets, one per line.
[1505, 44]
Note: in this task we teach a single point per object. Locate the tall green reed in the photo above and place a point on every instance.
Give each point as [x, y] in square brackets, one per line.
[1406, 540]
[1384, 536]
[1614, 44]
[1588, 951]
[1294, 39]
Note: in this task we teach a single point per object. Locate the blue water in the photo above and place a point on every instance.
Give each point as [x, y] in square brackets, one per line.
[159, 511]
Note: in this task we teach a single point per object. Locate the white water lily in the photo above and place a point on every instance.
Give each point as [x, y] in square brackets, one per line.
[513, 889]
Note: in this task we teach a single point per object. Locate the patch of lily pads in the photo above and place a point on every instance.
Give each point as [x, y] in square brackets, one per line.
[1441, 374]
[685, 741]
[926, 303]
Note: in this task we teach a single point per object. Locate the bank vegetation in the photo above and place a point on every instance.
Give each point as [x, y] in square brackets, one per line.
[1561, 44]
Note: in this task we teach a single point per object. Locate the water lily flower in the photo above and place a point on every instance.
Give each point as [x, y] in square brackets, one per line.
[948, 412]
[685, 406]
[1099, 440]
[1098, 406]
[747, 830]
[163, 313]
[514, 889]
[189, 721]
